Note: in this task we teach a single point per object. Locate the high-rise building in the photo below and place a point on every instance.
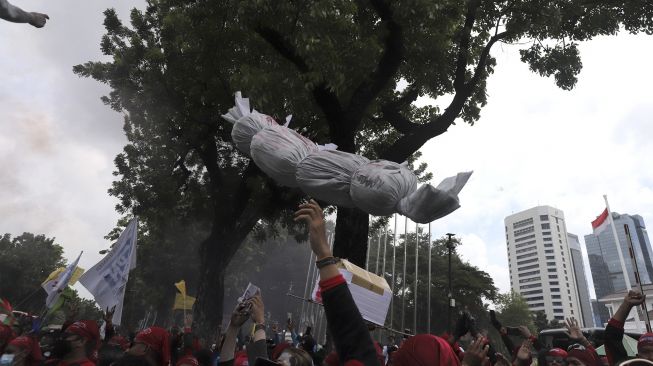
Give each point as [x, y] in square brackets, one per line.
[604, 259]
[586, 318]
[540, 263]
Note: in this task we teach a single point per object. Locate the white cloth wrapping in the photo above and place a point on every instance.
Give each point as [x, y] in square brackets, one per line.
[246, 127]
[247, 123]
[278, 150]
[378, 186]
[326, 175]
[430, 203]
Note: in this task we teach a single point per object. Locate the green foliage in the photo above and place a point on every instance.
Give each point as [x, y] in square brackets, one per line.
[512, 310]
[541, 322]
[471, 286]
[26, 261]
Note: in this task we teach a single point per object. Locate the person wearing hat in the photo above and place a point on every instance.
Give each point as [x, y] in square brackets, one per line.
[25, 351]
[578, 355]
[614, 332]
[78, 344]
[351, 338]
[556, 357]
[153, 345]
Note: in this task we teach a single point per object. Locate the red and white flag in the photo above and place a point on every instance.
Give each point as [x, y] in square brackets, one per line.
[601, 222]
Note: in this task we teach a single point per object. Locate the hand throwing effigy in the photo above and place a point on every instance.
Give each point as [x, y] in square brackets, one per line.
[378, 187]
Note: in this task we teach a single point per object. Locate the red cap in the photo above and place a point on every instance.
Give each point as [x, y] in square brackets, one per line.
[426, 350]
[158, 339]
[87, 329]
[557, 352]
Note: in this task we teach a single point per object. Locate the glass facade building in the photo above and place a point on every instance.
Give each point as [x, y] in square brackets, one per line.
[604, 259]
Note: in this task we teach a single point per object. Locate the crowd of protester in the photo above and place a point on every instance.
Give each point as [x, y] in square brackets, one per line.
[79, 342]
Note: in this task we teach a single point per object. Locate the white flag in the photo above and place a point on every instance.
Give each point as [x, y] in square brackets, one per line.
[55, 287]
[108, 278]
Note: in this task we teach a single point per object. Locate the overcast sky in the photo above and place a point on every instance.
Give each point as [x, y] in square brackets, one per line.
[534, 144]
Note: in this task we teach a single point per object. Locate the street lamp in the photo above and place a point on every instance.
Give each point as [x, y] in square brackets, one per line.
[452, 301]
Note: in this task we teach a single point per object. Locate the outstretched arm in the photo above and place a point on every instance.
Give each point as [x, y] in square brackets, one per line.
[614, 331]
[350, 335]
[17, 15]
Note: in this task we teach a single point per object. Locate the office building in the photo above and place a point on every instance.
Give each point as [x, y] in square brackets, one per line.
[604, 259]
[586, 318]
[540, 263]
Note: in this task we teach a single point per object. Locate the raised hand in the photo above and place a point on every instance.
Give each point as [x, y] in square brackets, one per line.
[258, 312]
[573, 329]
[634, 298]
[108, 314]
[38, 19]
[311, 213]
[240, 315]
[476, 353]
[524, 353]
[525, 332]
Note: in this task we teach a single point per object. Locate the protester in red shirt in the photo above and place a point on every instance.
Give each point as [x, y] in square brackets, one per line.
[153, 345]
[26, 351]
[78, 344]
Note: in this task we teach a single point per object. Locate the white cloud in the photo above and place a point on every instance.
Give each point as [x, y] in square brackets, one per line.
[536, 144]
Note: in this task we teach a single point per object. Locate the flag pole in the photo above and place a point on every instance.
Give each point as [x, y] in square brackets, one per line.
[403, 279]
[637, 278]
[394, 279]
[416, 276]
[621, 256]
[428, 288]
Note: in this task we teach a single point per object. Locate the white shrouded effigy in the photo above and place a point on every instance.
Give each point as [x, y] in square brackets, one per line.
[378, 187]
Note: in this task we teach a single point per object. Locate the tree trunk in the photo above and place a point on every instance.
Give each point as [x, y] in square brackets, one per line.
[208, 309]
[352, 226]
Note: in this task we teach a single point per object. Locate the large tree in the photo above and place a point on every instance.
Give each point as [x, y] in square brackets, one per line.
[349, 71]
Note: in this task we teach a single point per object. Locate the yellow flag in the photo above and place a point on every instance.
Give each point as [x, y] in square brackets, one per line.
[77, 273]
[180, 304]
[181, 286]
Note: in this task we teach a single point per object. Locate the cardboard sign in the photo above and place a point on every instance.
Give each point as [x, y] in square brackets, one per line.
[370, 292]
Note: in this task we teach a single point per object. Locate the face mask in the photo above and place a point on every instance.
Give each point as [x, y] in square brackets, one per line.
[60, 348]
[6, 359]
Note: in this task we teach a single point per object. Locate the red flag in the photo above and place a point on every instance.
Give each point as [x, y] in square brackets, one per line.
[601, 222]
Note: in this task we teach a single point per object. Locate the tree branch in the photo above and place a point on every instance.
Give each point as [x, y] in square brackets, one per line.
[326, 99]
[392, 111]
[281, 45]
[410, 143]
[463, 44]
[393, 55]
